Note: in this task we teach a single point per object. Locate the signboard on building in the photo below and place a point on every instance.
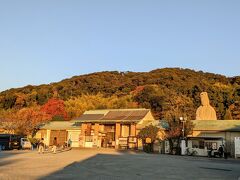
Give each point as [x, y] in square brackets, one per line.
[237, 146]
[148, 140]
[132, 139]
[123, 141]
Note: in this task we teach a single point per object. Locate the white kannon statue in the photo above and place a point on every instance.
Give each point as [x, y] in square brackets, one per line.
[205, 111]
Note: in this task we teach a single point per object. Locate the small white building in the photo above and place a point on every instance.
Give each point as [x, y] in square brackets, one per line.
[210, 134]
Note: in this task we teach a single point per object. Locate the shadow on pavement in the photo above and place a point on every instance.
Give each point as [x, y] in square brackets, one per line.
[7, 162]
[5, 155]
[129, 165]
[99, 167]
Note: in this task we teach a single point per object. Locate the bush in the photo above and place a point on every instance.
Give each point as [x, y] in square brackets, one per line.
[148, 148]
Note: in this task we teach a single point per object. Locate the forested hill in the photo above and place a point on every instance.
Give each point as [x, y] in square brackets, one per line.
[168, 92]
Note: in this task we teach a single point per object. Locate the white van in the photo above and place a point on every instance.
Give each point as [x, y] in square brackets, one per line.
[25, 143]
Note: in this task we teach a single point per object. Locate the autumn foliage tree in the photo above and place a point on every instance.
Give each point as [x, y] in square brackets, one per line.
[25, 121]
[55, 108]
[174, 133]
[5, 122]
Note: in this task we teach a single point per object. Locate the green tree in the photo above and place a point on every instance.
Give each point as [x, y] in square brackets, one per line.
[148, 132]
[151, 96]
[75, 107]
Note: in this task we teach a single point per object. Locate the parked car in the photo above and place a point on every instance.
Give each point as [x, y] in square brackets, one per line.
[5, 141]
[25, 143]
[15, 142]
[10, 141]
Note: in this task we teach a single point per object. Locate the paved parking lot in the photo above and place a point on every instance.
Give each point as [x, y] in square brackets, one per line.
[101, 164]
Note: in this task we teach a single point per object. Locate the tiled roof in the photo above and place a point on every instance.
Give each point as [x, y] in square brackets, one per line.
[60, 125]
[119, 114]
[90, 117]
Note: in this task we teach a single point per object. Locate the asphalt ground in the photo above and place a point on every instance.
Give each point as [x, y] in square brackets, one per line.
[109, 164]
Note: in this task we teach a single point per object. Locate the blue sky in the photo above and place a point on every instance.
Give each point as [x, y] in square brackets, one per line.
[49, 40]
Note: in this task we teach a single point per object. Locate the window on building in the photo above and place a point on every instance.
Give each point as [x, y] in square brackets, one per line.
[125, 130]
[195, 144]
[211, 145]
[198, 144]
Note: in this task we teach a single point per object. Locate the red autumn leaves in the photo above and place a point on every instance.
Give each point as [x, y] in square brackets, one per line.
[55, 108]
[27, 120]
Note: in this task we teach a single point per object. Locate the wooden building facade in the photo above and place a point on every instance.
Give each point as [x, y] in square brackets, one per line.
[116, 128]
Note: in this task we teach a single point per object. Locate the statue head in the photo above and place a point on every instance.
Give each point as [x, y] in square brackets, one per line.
[204, 99]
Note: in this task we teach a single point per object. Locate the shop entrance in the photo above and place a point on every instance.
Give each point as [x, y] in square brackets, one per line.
[108, 138]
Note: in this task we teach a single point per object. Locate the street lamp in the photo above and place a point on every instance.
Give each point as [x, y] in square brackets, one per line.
[183, 120]
[183, 142]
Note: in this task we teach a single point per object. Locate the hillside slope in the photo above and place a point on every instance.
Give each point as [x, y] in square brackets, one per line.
[161, 87]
